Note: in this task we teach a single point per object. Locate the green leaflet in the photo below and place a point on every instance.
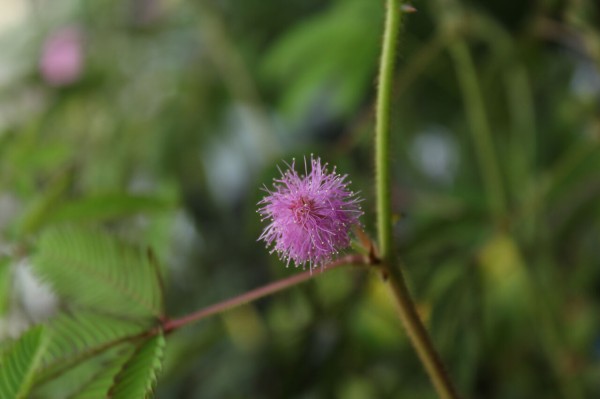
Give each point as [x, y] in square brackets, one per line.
[78, 337]
[44, 204]
[118, 282]
[5, 279]
[137, 378]
[99, 385]
[76, 379]
[95, 270]
[19, 362]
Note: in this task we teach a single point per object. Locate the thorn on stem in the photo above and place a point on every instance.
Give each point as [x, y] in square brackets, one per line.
[408, 8]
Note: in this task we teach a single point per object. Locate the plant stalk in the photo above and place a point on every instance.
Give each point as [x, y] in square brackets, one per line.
[418, 335]
[382, 130]
[394, 279]
[174, 324]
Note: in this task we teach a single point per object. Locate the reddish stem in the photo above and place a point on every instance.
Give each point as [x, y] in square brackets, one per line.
[354, 259]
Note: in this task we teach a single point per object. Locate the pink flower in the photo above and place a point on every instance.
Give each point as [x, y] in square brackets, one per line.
[310, 216]
[62, 59]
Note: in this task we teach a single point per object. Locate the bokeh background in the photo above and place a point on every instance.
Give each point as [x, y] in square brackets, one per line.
[161, 119]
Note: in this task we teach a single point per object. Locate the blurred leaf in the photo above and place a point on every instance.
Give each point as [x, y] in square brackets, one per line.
[26, 155]
[137, 378]
[334, 53]
[5, 284]
[96, 270]
[333, 288]
[357, 387]
[18, 364]
[503, 268]
[296, 304]
[75, 379]
[376, 321]
[77, 337]
[245, 327]
[447, 276]
[99, 385]
[443, 236]
[506, 285]
[105, 207]
[44, 205]
[579, 162]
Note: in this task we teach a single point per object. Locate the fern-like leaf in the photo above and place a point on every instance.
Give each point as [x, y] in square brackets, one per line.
[18, 364]
[74, 380]
[74, 338]
[96, 270]
[137, 378]
[100, 384]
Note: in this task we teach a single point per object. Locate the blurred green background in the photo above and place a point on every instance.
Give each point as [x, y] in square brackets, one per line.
[161, 119]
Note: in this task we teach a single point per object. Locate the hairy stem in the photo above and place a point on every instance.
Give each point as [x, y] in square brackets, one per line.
[382, 130]
[418, 335]
[394, 279]
[261, 292]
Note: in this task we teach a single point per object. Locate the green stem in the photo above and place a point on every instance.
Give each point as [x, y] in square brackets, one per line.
[394, 279]
[480, 127]
[382, 130]
[418, 335]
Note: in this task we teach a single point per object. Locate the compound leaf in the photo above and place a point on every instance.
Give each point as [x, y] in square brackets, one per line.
[96, 270]
[101, 382]
[137, 378]
[74, 338]
[19, 362]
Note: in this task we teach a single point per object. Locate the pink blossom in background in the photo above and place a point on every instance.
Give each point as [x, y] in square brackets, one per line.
[61, 62]
[310, 215]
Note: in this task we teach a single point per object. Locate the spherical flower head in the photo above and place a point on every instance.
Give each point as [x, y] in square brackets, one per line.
[310, 215]
[61, 62]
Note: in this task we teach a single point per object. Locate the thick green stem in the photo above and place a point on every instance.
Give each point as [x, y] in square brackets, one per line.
[394, 279]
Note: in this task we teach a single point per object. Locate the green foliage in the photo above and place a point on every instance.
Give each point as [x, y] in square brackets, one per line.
[106, 207]
[52, 208]
[119, 285]
[160, 113]
[77, 337]
[67, 382]
[332, 56]
[18, 364]
[24, 155]
[96, 270]
[101, 382]
[45, 204]
[137, 378]
[5, 280]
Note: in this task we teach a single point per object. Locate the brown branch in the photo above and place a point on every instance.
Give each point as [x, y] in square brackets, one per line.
[354, 259]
